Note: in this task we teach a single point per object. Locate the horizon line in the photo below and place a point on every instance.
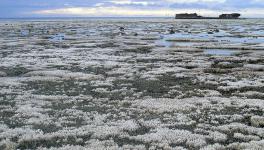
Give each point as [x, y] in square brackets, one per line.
[40, 17]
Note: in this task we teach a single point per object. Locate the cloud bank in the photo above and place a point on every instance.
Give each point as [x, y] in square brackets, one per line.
[105, 8]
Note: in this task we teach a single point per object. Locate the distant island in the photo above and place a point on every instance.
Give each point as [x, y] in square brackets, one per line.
[196, 16]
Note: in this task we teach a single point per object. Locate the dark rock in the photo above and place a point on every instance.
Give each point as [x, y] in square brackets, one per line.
[121, 28]
[217, 30]
[171, 31]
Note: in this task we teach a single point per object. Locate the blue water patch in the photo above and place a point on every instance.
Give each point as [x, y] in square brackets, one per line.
[59, 37]
[24, 32]
[220, 52]
[221, 36]
[165, 40]
[173, 44]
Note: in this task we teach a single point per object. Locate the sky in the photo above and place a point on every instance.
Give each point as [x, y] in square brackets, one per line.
[127, 8]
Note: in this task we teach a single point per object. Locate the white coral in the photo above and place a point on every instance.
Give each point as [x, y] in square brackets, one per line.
[257, 121]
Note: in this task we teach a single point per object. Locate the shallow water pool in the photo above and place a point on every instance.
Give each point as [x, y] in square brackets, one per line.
[220, 52]
[59, 37]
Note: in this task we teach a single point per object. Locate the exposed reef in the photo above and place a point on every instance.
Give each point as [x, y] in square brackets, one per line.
[132, 84]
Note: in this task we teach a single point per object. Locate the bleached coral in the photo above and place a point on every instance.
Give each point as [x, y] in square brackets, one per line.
[246, 138]
[255, 67]
[257, 121]
[217, 136]
[2, 74]
[64, 74]
[140, 89]
[244, 146]
[165, 135]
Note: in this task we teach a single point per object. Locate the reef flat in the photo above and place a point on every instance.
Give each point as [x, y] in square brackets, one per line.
[132, 84]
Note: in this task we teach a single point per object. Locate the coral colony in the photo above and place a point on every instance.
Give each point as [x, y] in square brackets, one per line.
[138, 84]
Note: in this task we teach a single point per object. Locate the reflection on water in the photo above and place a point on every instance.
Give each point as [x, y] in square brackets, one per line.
[24, 32]
[221, 52]
[59, 37]
[221, 36]
[165, 40]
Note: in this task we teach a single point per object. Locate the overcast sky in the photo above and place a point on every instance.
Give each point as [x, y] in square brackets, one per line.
[110, 8]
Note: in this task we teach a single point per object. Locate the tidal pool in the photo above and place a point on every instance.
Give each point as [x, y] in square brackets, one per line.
[221, 52]
[173, 40]
[59, 37]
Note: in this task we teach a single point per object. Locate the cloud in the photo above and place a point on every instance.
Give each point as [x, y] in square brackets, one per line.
[195, 1]
[127, 7]
[130, 2]
[126, 11]
[111, 11]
